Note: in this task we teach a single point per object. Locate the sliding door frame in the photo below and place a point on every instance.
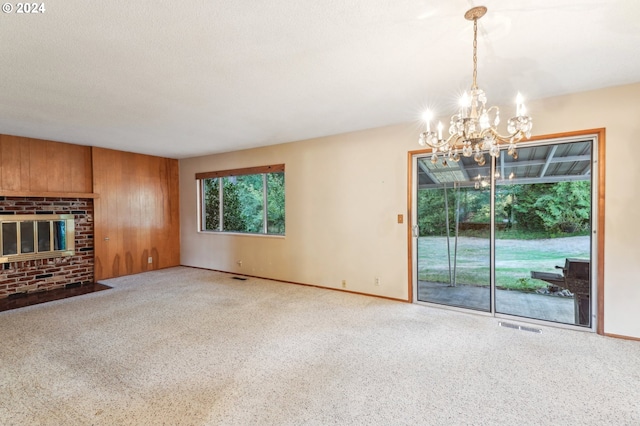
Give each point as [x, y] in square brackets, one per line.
[600, 162]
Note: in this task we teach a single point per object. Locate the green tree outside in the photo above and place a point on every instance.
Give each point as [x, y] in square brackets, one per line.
[243, 203]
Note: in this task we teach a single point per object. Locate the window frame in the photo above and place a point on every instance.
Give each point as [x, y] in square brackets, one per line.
[221, 175]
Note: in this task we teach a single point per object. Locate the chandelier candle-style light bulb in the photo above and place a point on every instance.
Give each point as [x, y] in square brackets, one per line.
[519, 105]
[474, 129]
[427, 116]
[464, 105]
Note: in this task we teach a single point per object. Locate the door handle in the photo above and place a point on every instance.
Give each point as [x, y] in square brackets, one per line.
[416, 231]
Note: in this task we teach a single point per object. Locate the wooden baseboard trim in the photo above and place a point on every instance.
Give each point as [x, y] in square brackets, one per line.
[622, 336]
[297, 283]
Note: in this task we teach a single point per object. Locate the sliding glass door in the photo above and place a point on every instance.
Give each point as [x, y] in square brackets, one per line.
[543, 233]
[453, 235]
[512, 237]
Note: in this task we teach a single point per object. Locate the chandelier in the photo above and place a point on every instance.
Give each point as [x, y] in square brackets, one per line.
[473, 130]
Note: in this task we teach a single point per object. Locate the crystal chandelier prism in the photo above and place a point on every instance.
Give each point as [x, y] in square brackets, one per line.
[473, 130]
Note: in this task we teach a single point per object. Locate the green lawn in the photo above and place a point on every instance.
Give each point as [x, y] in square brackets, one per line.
[515, 259]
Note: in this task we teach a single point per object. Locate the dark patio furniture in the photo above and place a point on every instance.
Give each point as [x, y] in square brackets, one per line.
[575, 277]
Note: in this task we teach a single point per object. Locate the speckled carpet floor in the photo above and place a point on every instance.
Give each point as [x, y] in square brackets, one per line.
[185, 346]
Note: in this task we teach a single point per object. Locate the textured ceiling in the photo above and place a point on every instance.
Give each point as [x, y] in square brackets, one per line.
[185, 78]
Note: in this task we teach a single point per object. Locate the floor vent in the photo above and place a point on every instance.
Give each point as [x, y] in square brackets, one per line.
[519, 327]
[239, 278]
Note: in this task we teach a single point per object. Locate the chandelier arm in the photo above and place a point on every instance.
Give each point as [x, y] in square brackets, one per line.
[437, 145]
[516, 137]
[450, 138]
[443, 142]
[493, 108]
[440, 144]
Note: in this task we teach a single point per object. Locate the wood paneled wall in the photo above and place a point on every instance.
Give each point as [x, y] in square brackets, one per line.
[136, 207]
[38, 166]
[136, 213]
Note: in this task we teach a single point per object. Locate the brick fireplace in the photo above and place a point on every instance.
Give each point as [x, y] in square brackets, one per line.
[47, 274]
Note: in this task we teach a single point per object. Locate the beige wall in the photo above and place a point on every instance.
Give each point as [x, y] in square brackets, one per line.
[615, 109]
[344, 193]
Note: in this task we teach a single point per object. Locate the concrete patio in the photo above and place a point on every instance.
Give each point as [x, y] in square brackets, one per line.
[529, 305]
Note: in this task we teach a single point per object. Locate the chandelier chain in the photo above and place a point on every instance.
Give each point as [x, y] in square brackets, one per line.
[475, 53]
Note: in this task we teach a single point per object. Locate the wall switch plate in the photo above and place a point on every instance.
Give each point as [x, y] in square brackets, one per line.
[150, 259]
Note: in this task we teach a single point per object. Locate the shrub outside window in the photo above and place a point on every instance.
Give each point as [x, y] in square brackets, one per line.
[243, 200]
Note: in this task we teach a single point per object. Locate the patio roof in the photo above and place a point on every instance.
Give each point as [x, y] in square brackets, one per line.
[536, 164]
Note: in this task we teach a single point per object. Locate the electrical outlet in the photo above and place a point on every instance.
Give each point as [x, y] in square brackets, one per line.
[239, 263]
[344, 283]
[377, 281]
[150, 259]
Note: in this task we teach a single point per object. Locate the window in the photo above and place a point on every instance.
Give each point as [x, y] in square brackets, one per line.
[243, 200]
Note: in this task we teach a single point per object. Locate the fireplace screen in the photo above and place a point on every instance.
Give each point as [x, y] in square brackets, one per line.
[25, 237]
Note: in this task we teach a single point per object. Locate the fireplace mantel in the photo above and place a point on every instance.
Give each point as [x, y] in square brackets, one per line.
[40, 194]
